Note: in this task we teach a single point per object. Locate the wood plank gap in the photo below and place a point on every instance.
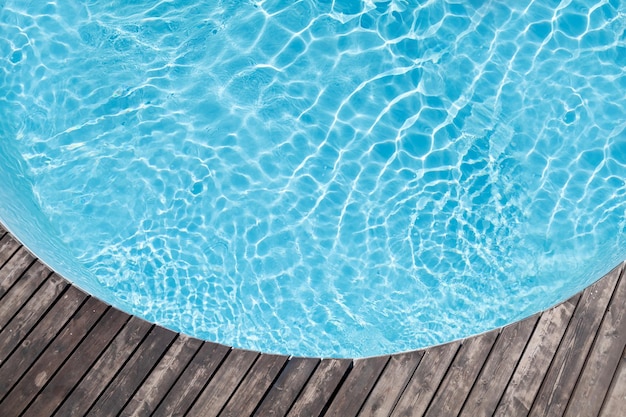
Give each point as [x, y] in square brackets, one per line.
[615, 400]
[269, 389]
[356, 387]
[47, 364]
[254, 386]
[77, 363]
[224, 383]
[27, 285]
[163, 377]
[193, 380]
[574, 347]
[499, 368]
[593, 382]
[105, 369]
[8, 246]
[288, 387]
[392, 383]
[136, 369]
[319, 390]
[14, 269]
[41, 329]
[536, 359]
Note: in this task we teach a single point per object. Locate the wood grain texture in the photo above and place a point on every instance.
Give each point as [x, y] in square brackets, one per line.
[22, 291]
[318, 391]
[78, 364]
[18, 329]
[130, 377]
[615, 401]
[255, 385]
[288, 386]
[104, 370]
[8, 246]
[52, 358]
[354, 391]
[193, 380]
[11, 272]
[526, 380]
[422, 387]
[499, 367]
[595, 379]
[391, 384]
[572, 352]
[163, 377]
[225, 382]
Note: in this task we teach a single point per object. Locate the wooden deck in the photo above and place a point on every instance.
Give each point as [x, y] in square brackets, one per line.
[63, 353]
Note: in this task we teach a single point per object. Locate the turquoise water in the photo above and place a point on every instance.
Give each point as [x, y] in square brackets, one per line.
[344, 178]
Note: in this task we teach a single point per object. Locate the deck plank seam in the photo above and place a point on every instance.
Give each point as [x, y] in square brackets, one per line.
[17, 279]
[64, 361]
[43, 352]
[32, 294]
[585, 293]
[295, 397]
[613, 382]
[152, 367]
[444, 376]
[98, 357]
[243, 378]
[406, 383]
[378, 377]
[332, 396]
[549, 366]
[117, 373]
[514, 370]
[41, 284]
[44, 348]
[208, 380]
[482, 367]
[180, 374]
[622, 277]
[9, 238]
[269, 387]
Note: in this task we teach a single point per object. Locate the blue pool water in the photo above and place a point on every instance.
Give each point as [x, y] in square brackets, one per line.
[334, 178]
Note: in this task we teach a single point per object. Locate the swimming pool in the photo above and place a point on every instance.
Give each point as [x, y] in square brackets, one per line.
[326, 178]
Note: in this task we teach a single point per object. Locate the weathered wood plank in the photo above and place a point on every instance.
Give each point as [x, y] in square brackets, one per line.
[570, 356]
[201, 369]
[284, 391]
[499, 367]
[103, 371]
[78, 364]
[21, 324]
[463, 371]
[163, 377]
[359, 383]
[391, 384]
[51, 359]
[13, 269]
[117, 394]
[254, 386]
[320, 388]
[532, 367]
[595, 379]
[425, 381]
[8, 246]
[224, 383]
[19, 294]
[615, 402]
[2, 230]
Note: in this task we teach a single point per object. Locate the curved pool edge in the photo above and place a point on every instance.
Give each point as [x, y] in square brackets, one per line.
[574, 352]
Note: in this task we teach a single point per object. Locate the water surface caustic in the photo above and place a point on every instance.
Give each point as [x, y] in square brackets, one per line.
[335, 178]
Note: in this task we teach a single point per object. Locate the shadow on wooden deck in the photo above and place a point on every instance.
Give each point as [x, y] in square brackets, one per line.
[64, 353]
